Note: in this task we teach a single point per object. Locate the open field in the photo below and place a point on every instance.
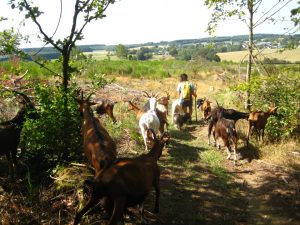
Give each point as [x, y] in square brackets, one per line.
[101, 54]
[288, 55]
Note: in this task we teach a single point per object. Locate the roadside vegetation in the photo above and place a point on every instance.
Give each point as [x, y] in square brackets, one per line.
[192, 169]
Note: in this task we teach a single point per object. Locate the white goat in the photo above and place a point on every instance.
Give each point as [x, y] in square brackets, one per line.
[176, 109]
[149, 120]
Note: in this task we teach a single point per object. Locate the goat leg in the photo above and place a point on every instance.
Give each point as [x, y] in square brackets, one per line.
[228, 151]
[262, 134]
[91, 202]
[210, 126]
[157, 191]
[234, 155]
[119, 206]
[156, 207]
[11, 166]
[142, 210]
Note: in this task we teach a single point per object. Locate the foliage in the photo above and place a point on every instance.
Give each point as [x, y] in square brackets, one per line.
[281, 88]
[143, 53]
[87, 10]
[121, 51]
[191, 52]
[295, 15]
[45, 136]
[9, 42]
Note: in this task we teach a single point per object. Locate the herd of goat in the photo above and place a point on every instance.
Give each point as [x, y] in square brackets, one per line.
[124, 182]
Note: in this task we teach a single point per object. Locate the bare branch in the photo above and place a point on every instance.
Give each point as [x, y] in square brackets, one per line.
[34, 18]
[268, 17]
[58, 23]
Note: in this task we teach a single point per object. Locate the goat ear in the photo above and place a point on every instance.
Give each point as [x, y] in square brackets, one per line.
[165, 136]
[93, 103]
[153, 135]
[88, 98]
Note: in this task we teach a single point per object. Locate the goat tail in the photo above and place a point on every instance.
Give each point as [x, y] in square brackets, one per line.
[243, 115]
[231, 132]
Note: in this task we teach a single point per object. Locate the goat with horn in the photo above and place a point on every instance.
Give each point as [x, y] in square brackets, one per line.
[10, 131]
[98, 146]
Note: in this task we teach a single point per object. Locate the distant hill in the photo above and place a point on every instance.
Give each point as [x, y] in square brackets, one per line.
[261, 39]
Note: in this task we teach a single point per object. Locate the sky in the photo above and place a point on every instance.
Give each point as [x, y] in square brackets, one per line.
[138, 21]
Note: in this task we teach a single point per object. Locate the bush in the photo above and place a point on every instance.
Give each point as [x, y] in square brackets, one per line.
[55, 136]
[282, 89]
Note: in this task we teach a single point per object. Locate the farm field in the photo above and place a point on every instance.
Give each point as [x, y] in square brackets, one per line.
[288, 55]
[198, 184]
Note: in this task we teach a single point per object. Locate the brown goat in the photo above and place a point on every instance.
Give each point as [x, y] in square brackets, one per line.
[10, 132]
[98, 146]
[225, 129]
[105, 106]
[205, 107]
[138, 112]
[164, 100]
[258, 121]
[127, 182]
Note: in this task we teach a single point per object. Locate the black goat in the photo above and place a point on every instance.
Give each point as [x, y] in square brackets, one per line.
[180, 119]
[10, 131]
[225, 129]
[105, 106]
[230, 114]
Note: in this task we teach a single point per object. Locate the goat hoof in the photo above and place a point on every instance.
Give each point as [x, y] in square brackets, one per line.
[228, 157]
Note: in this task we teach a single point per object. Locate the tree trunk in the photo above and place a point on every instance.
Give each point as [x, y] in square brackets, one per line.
[250, 52]
[66, 124]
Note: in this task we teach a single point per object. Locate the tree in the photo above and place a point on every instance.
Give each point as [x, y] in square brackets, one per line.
[121, 51]
[243, 10]
[143, 53]
[90, 10]
[295, 15]
[173, 51]
[9, 42]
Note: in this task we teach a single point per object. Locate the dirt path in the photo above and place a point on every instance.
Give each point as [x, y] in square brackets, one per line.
[192, 191]
[254, 192]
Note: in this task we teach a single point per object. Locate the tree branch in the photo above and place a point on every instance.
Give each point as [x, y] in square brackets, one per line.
[33, 17]
[88, 20]
[58, 23]
[268, 17]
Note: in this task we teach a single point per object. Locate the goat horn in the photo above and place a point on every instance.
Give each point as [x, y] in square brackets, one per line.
[147, 94]
[88, 98]
[168, 95]
[156, 95]
[21, 77]
[24, 96]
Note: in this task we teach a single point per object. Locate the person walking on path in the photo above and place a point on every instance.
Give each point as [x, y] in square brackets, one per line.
[186, 91]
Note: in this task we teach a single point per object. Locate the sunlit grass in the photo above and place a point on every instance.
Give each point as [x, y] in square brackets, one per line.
[239, 56]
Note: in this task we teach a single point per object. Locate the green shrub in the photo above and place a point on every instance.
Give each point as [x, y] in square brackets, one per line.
[55, 135]
[282, 89]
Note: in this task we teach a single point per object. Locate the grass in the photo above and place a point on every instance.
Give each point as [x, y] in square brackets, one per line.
[198, 183]
[239, 56]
